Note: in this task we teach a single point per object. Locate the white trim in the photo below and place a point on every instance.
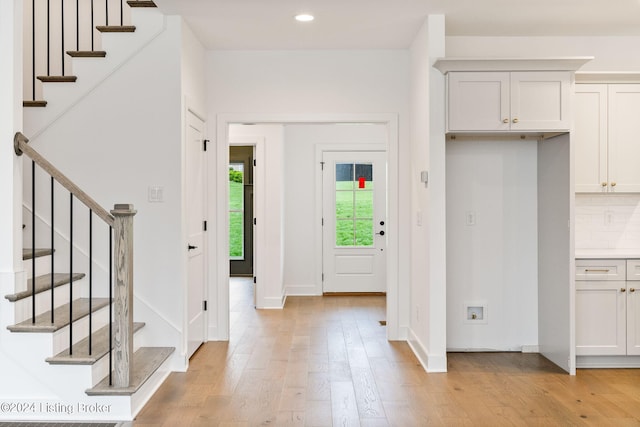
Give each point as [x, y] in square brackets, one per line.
[430, 363]
[222, 278]
[571, 63]
[596, 77]
[302, 290]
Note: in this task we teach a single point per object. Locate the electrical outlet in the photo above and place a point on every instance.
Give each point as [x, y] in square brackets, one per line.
[470, 218]
[608, 217]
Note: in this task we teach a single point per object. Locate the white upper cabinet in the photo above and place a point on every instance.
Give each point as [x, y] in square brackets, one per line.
[509, 101]
[605, 137]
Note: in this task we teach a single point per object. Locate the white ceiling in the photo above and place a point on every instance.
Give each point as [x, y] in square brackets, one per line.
[392, 24]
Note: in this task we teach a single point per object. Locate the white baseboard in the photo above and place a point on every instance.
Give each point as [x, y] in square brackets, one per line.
[531, 349]
[302, 290]
[431, 363]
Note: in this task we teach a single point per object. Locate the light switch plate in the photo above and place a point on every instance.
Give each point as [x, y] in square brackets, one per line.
[156, 194]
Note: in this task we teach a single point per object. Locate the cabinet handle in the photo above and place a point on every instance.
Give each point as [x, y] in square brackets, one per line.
[505, 120]
[632, 289]
[613, 184]
[604, 184]
[587, 270]
[515, 120]
[623, 290]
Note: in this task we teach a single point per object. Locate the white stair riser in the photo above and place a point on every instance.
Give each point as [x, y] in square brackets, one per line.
[43, 266]
[101, 367]
[99, 319]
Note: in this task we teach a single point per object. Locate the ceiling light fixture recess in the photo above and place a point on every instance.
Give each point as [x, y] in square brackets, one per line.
[304, 17]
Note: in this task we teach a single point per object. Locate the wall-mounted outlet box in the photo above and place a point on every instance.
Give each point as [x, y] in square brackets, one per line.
[475, 313]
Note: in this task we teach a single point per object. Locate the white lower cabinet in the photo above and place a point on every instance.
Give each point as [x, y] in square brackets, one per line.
[608, 308]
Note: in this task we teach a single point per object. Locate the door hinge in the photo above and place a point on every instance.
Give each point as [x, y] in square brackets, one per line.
[254, 162]
[321, 165]
[322, 222]
[255, 278]
[255, 222]
[323, 277]
[204, 305]
[204, 144]
[204, 225]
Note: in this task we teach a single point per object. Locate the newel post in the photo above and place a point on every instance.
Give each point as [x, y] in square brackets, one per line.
[123, 294]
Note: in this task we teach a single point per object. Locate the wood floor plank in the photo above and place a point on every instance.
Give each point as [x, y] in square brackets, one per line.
[326, 362]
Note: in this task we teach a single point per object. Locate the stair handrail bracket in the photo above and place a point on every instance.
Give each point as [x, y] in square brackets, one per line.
[21, 146]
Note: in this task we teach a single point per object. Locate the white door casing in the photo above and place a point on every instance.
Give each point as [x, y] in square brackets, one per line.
[354, 222]
[195, 196]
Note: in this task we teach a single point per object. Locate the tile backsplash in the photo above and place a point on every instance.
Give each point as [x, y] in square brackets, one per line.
[607, 221]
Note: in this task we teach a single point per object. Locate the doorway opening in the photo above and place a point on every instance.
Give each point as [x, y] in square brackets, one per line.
[241, 252]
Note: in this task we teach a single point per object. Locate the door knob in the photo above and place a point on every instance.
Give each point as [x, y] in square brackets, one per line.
[191, 247]
[381, 233]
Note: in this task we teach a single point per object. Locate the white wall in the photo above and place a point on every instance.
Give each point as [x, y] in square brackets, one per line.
[427, 334]
[611, 53]
[300, 171]
[493, 262]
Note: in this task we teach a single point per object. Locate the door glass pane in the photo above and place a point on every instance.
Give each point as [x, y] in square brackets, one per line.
[236, 211]
[354, 204]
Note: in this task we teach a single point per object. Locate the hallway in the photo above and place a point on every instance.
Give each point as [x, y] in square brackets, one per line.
[324, 361]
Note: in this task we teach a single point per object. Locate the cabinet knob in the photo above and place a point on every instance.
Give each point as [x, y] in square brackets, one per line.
[613, 184]
[604, 184]
[515, 120]
[505, 120]
[623, 290]
[632, 289]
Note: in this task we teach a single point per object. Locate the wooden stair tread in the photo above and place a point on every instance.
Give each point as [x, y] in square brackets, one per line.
[141, 3]
[43, 283]
[34, 103]
[61, 316]
[145, 362]
[81, 356]
[57, 79]
[28, 253]
[116, 28]
[87, 53]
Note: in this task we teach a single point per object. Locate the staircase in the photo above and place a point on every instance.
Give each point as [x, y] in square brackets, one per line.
[74, 330]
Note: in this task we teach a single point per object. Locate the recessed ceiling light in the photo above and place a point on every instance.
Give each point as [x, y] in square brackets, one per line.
[304, 17]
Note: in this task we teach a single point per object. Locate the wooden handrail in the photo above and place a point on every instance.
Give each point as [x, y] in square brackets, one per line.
[20, 144]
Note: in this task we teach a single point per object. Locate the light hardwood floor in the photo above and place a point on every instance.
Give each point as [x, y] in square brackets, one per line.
[324, 361]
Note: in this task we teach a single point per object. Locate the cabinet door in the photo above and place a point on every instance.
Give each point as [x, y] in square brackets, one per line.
[601, 318]
[478, 101]
[633, 318]
[590, 138]
[540, 100]
[624, 132]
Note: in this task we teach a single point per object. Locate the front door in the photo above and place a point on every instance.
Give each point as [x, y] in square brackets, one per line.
[195, 174]
[354, 221]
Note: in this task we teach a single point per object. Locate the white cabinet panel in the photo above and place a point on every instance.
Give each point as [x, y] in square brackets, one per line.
[540, 101]
[624, 132]
[633, 319]
[606, 138]
[479, 101]
[600, 318]
[509, 101]
[610, 269]
[590, 138]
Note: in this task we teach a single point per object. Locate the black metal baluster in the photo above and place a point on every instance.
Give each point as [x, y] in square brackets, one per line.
[33, 241]
[121, 15]
[70, 274]
[77, 25]
[52, 247]
[62, 34]
[33, 48]
[90, 279]
[106, 11]
[92, 27]
[48, 37]
[110, 304]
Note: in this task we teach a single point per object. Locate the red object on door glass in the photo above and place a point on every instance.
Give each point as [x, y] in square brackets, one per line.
[361, 182]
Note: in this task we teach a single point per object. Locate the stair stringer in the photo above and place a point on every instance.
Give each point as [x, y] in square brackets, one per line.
[91, 72]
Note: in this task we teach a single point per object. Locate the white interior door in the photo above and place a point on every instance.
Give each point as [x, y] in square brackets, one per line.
[195, 176]
[354, 221]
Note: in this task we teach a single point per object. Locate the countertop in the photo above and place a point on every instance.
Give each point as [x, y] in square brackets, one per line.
[608, 253]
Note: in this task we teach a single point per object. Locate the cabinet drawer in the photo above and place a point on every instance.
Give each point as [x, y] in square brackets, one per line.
[633, 269]
[599, 269]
